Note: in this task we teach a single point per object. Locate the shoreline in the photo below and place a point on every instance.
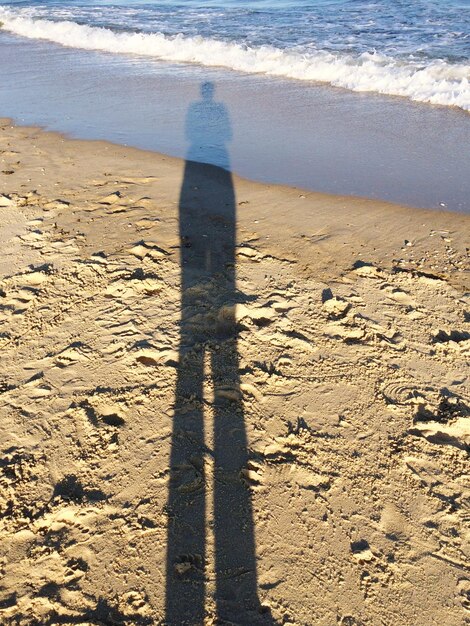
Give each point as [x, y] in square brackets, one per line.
[343, 385]
[307, 136]
[316, 211]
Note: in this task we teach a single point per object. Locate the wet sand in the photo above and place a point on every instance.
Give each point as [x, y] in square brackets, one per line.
[280, 438]
[304, 135]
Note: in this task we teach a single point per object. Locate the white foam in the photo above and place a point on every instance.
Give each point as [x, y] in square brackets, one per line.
[436, 82]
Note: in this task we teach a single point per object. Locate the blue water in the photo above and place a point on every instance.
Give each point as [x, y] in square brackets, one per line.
[422, 29]
[310, 86]
[418, 49]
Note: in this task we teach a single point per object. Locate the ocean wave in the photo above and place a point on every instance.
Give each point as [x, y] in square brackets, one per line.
[435, 82]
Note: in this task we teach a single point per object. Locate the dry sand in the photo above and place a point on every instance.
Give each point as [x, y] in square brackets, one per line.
[353, 336]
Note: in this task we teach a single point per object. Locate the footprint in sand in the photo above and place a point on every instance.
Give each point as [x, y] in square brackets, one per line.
[260, 316]
[125, 328]
[401, 297]
[100, 413]
[347, 333]
[252, 474]
[153, 357]
[463, 586]
[401, 392]
[456, 434]
[456, 340]
[18, 301]
[143, 249]
[361, 552]
[133, 288]
[75, 353]
[34, 279]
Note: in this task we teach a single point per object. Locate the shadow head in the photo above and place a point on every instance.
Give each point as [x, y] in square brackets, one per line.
[207, 90]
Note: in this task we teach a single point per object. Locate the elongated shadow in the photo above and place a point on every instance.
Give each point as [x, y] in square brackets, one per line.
[208, 333]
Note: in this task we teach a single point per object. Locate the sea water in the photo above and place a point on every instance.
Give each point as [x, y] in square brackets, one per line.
[350, 96]
[418, 49]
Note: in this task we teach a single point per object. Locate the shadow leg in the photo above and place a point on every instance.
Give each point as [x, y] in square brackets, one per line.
[235, 559]
[185, 571]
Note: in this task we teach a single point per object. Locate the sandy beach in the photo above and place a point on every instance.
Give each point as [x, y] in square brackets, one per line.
[332, 346]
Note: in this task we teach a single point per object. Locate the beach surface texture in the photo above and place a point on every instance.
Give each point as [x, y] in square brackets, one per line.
[248, 405]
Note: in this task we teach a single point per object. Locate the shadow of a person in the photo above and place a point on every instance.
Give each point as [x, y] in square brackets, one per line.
[207, 222]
